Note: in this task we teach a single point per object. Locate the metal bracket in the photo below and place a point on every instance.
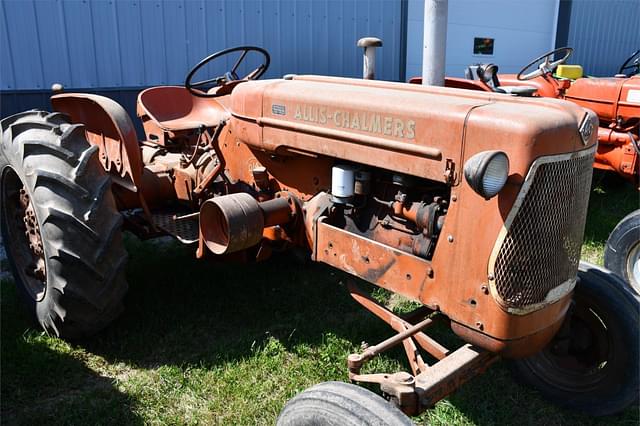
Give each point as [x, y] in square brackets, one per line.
[315, 211]
[400, 325]
[428, 384]
[450, 174]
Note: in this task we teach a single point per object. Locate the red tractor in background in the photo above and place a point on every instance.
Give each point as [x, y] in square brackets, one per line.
[616, 101]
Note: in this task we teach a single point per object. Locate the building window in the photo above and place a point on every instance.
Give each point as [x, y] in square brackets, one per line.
[482, 46]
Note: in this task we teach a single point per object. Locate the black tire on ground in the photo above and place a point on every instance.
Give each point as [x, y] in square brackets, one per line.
[60, 226]
[340, 404]
[591, 366]
[622, 252]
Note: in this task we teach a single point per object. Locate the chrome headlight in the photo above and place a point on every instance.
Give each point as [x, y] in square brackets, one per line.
[487, 172]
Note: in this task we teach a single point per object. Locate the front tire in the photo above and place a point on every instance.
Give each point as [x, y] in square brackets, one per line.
[622, 252]
[340, 404]
[592, 365]
[60, 225]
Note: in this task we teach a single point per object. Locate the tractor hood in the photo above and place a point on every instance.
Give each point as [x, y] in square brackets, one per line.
[421, 131]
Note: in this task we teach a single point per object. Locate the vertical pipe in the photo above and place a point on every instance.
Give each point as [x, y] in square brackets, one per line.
[369, 63]
[434, 42]
[369, 58]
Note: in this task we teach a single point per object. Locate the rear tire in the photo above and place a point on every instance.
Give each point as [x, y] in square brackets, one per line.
[592, 365]
[340, 404]
[622, 252]
[60, 225]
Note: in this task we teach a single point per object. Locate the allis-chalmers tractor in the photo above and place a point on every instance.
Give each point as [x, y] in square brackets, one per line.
[616, 101]
[471, 203]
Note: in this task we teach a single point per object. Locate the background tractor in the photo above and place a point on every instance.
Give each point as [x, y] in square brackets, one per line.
[616, 101]
[470, 204]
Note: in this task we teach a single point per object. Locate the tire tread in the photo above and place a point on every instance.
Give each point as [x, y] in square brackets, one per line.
[338, 403]
[80, 225]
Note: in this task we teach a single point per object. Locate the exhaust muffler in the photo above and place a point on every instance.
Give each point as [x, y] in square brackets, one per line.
[235, 222]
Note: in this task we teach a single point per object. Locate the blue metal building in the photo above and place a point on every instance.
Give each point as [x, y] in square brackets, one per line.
[121, 46]
[602, 33]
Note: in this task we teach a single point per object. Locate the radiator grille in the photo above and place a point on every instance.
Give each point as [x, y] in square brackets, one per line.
[541, 248]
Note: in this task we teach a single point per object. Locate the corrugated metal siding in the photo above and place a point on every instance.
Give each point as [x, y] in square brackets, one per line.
[602, 33]
[134, 43]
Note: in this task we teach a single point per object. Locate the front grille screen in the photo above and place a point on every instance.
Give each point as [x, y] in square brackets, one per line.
[541, 249]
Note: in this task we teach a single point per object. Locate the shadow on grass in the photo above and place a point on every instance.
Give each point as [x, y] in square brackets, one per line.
[185, 312]
[41, 381]
[180, 310]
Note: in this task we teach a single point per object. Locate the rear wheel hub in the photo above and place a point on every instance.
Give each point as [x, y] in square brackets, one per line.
[23, 235]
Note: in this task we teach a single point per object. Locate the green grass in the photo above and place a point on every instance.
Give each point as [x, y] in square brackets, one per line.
[203, 343]
[611, 199]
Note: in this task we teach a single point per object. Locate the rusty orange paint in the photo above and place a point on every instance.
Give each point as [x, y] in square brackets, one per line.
[109, 127]
[298, 129]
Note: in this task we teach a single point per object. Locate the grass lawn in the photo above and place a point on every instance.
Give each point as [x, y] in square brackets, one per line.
[213, 344]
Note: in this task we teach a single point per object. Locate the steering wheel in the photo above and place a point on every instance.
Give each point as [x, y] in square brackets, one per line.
[632, 63]
[545, 67]
[230, 77]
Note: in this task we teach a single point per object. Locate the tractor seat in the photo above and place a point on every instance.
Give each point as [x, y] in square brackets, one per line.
[517, 90]
[174, 109]
[488, 74]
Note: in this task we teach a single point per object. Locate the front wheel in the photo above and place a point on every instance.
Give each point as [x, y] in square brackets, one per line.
[340, 404]
[592, 364]
[622, 252]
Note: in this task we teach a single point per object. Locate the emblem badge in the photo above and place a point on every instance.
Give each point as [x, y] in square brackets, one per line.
[586, 129]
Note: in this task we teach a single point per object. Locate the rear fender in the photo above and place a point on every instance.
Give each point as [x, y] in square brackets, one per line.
[109, 127]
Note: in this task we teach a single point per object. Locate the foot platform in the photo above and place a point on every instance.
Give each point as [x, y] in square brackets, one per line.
[183, 228]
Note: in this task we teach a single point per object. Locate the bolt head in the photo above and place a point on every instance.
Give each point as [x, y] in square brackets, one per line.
[57, 88]
[354, 357]
[403, 377]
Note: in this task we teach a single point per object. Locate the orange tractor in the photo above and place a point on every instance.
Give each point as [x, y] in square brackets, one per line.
[616, 101]
[472, 205]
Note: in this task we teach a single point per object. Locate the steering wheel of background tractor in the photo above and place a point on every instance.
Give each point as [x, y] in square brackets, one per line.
[229, 76]
[632, 63]
[547, 66]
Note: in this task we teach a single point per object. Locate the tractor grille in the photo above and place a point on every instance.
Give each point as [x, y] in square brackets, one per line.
[540, 249]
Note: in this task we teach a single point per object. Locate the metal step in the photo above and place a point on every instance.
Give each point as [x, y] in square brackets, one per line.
[183, 228]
